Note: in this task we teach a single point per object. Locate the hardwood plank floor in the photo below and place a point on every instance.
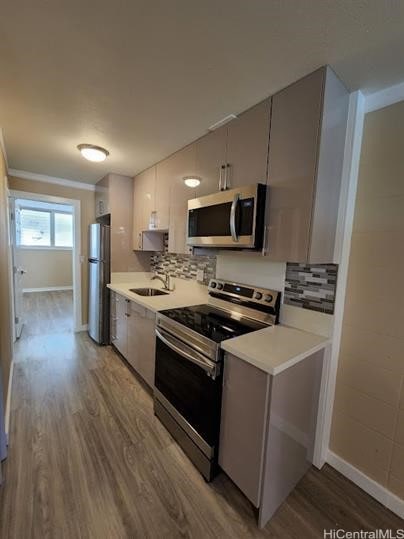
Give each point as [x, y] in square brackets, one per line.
[47, 312]
[88, 459]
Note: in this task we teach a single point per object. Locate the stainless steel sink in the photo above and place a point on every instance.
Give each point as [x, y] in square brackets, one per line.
[148, 291]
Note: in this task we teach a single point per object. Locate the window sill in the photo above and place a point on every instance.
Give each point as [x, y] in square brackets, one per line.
[43, 248]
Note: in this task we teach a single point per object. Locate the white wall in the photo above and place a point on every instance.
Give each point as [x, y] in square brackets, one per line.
[46, 268]
[257, 270]
[251, 269]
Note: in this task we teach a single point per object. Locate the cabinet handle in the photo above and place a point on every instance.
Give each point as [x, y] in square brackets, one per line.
[226, 176]
[264, 240]
[140, 240]
[222, 168]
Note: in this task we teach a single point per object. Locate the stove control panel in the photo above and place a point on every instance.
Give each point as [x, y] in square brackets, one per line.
[241, 293]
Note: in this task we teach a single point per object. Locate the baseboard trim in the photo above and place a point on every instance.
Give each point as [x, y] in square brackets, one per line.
[8, 401]
[47, 289]
[374, 489]
[84, 327]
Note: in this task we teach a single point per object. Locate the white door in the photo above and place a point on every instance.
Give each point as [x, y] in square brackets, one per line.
[18, 270]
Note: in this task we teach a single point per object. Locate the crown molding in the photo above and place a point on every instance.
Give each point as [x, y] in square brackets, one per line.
[384, 98]
[33, 176]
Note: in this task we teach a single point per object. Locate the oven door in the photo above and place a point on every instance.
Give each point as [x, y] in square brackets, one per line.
[231, 218]
[189, 386]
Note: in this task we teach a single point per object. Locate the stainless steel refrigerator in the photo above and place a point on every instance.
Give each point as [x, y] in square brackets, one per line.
[99, 277]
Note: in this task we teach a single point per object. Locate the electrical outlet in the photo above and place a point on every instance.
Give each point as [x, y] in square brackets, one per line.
[200, 275]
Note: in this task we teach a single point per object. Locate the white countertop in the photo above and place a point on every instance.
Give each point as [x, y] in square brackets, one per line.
[185, 293]
[276, 348]
[272, 349]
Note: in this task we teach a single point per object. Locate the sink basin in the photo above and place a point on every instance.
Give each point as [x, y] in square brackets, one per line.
[148, 291]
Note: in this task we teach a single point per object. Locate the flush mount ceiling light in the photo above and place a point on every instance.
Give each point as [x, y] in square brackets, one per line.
[93, 153]
[192, 181]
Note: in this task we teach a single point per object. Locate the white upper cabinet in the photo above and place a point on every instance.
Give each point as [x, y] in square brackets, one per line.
[247, 146]
[144, 193]
[177, 167]
[235, 154]
[308, 125]
[211, 161]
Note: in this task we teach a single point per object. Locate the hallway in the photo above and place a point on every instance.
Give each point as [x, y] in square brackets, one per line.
[47, 312]
[88, 458]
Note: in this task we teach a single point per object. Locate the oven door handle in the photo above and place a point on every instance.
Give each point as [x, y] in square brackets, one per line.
[233, 228]
[194, 357]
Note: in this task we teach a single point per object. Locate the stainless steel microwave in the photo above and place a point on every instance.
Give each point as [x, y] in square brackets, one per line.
[231, 219]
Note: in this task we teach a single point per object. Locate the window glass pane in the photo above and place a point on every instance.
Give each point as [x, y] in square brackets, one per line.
[35, 228]
[63, 230]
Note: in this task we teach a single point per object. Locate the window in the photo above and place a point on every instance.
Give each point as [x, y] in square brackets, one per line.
[44, 228]
[35, 228]
[63, 229]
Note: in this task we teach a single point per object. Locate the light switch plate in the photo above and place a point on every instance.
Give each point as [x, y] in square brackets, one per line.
[200, 275]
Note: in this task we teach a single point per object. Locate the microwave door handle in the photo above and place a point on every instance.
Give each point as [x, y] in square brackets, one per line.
[193, 357]
[233, 228]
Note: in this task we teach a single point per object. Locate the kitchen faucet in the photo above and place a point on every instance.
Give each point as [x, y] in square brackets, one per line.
[168, 285]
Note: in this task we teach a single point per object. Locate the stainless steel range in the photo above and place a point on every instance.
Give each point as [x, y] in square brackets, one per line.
[189, 363]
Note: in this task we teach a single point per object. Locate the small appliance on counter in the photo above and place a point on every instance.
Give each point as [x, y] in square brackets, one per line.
[228, 219]
[189, 363]
[98, 277]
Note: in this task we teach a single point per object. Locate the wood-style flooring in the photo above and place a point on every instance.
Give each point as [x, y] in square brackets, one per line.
[47, 312]
[88, 459]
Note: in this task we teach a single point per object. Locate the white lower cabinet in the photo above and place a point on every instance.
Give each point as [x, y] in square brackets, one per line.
[119, 326]
[268, 427]
[142, 341]
[132, 334]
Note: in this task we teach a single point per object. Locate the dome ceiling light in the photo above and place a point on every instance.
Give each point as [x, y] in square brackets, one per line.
[93, 153]
[192, 181]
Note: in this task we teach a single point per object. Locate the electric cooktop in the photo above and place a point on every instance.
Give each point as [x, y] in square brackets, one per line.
[211, 322]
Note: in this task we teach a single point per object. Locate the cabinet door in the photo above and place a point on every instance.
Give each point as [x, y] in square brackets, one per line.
[141, 342]
[164, 178]
[121, 324]
[293, 151]
[102, 203]
[134, 350]
[247, 146]
[143, 204]
[178, 166]
[210, 158]
[147, 359]
[243, 425]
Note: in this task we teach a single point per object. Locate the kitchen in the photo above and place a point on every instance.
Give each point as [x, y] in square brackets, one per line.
[210, 383]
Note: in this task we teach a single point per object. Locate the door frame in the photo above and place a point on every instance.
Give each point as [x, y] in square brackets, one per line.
[76, 258]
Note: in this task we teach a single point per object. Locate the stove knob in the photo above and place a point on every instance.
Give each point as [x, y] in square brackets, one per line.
[268, 298]
[219, 286]
[258, 295]
[213, 284]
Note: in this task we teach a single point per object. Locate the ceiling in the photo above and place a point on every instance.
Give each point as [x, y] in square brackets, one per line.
[143, 78]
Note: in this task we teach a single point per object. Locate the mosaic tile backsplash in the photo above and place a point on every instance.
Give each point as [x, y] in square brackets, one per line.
[184, 266]
[311, 286]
